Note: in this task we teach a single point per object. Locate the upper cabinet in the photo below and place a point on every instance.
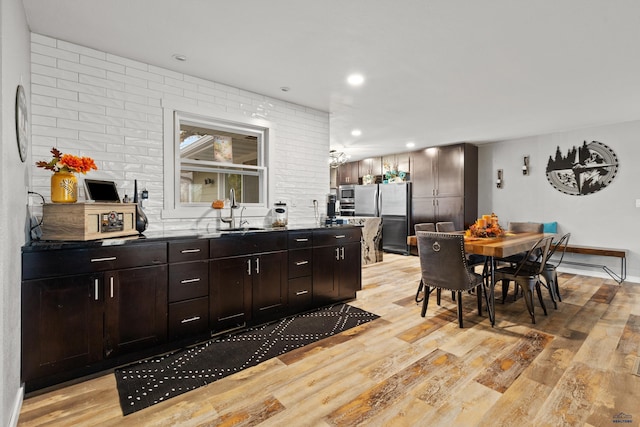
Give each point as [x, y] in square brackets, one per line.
[399, 162]
[438, 171]
[370, 166]
[348, 173]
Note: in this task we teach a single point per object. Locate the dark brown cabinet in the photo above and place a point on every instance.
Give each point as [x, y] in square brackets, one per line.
[336, 265]
[135, 309]
[348, 173]
[188, 288]
[61, 324]
[230, 293]
[73, 321]
[444, 185]
[300, 271]
[251, 285]
[133, 300]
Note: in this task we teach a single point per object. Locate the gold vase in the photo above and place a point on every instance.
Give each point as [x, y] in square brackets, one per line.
[64, 187]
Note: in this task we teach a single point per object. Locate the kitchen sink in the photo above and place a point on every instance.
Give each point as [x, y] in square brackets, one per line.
[242, 229]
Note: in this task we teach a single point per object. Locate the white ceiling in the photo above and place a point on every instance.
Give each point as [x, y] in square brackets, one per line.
[437, 72]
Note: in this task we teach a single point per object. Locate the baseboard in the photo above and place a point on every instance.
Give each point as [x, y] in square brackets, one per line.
[15, 413]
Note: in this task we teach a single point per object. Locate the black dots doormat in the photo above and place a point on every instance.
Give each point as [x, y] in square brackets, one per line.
[152, 381]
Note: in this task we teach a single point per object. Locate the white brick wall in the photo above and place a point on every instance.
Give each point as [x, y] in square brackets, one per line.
[92, 103]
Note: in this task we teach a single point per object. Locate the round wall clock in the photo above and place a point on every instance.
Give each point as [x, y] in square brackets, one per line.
[584, 170]
[22, 123]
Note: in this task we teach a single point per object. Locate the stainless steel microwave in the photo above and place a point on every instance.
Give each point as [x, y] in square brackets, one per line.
[346, 193]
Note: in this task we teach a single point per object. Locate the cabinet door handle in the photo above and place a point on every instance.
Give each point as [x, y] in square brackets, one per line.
[257, 265]
[191, 319]
[189, 251]
[196, 279]
[109, 258]
[342, 252]
[96, 289]
[340, 236]
[302, 240]
[302, 262]
[337, 254]
[249, 267]
[111, 286]
[302, 292]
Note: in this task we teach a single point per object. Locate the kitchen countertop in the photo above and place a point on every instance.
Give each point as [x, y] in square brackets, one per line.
[150, 236]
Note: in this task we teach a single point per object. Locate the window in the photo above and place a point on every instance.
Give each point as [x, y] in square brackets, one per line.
[208, 156]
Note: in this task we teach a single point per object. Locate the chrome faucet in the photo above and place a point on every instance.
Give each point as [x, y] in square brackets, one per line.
[243, 222]
[231, 220]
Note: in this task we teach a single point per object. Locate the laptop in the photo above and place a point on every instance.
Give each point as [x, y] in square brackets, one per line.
[101, 191]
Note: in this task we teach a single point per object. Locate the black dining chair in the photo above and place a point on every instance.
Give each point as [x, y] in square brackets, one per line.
[425, 226]
[444, 266]
[549, 273]
[526, 274]
[445, 227]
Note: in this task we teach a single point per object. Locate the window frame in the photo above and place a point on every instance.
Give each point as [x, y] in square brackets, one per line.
[173, 112]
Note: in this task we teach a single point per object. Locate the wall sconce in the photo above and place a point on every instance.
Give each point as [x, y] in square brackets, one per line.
[525, 166]
[499, 180]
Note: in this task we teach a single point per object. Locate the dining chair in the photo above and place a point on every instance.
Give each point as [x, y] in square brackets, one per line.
[526, 274]
[444, 266]
[549, 273]
[445, 227]
[525, 227]
[425, 226]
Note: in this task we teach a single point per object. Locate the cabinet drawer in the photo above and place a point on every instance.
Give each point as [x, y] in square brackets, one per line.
[300, 239]
[249, 243]
[188, 318]
[300, 294]
[188, 280]
[336, 236]
[191, 250]
[53, 263]
[300, 263]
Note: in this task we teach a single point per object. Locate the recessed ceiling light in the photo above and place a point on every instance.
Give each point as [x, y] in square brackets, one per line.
[179, 57]
[411, 144]
[356, 132]
[355, 79]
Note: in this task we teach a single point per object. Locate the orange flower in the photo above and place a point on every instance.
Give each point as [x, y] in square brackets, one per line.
[67, 163]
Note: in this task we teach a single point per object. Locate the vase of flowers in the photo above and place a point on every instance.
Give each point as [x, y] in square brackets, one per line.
[64, 184]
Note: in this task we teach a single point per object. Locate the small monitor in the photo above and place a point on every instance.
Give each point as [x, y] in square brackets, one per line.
[101, 191]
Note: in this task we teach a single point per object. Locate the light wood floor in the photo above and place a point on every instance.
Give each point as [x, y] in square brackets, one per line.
[574, 367]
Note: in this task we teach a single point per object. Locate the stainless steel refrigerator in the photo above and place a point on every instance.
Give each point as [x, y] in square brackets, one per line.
[392, 202]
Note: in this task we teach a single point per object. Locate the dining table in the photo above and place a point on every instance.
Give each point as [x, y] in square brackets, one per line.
[494, 248]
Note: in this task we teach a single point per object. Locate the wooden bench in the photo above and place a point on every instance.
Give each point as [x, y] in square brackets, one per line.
[604, 252]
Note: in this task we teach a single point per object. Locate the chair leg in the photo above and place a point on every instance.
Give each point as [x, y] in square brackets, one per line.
[438, 296]
[505, 289]
[420, 289]
[528, 299]
[425, 301]
[478, 290]
[555, 285]
[539, 291]
[548, 280]
[459, 308]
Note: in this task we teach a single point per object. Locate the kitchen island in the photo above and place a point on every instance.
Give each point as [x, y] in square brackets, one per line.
[371, 237]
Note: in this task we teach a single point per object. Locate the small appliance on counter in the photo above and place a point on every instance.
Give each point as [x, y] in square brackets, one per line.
[331, 209]
[280, 215]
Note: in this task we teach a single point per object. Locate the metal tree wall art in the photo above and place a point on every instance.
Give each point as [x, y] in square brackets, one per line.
[584, 170]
